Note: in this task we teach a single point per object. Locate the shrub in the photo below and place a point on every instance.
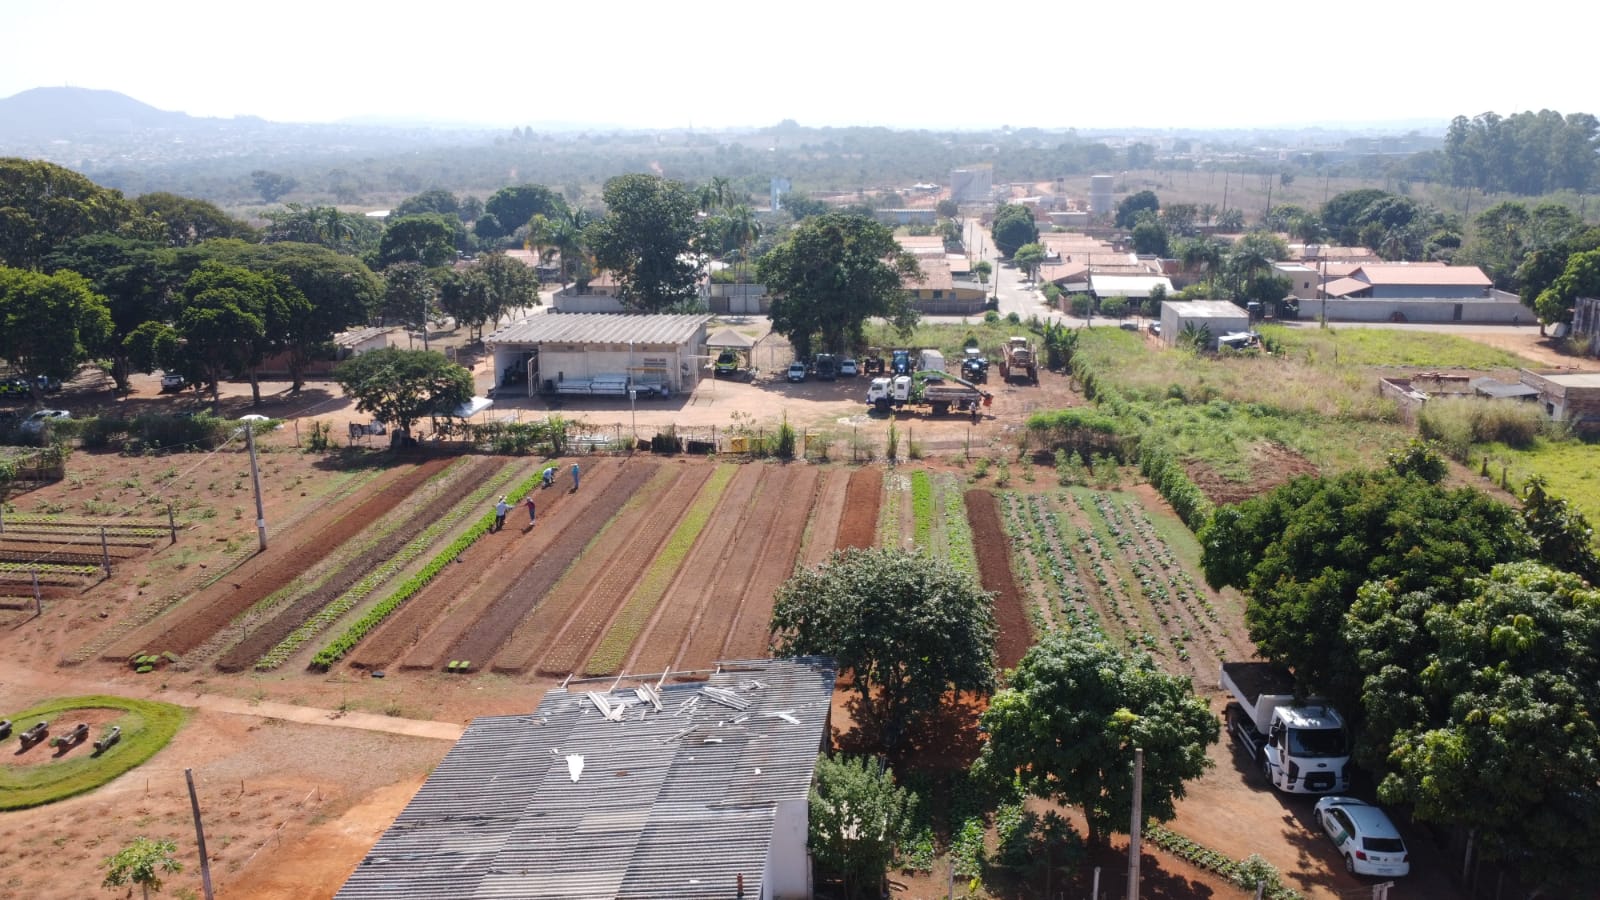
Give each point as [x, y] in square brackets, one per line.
[1080, 305]
[1457, 424]
[1115, 307]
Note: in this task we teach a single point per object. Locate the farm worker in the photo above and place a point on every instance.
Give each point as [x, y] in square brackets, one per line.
[531, 511]
[500, 510]
[549, 476]
[574, 476]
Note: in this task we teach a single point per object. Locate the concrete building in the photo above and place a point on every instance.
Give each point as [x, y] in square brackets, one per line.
[1218, 317]
[1571, 397]
[1101, 202]
[1133, 287]
[972, 185]
[543, 353]
[1345, 291]
[632, 789]
[907, 216]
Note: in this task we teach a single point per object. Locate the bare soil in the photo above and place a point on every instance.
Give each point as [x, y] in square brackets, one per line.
[1271, 464]
[859, 527]
[709, 633]
[751, 632]
[1013, 635]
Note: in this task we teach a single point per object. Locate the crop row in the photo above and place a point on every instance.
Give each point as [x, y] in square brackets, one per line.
[922, 509]
[613, 647]
[11, 568]
[894, 484]
[359, 591]
[335, 650]
[958, 547]
[1245, 874]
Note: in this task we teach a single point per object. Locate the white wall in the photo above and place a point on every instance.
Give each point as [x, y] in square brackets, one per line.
[788, 865]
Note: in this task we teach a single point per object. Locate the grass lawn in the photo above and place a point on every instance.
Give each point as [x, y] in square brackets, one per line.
[146, 726]
[1321, 347]
[1571, 467]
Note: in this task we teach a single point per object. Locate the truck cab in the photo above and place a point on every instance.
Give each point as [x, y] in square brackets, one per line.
[885, 393]
[1301, 748]
[900, 363]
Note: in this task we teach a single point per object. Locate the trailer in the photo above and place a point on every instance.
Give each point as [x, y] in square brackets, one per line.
[1302, 748]
[939, 392]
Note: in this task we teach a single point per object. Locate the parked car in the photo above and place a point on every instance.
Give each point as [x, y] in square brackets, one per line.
[797, 371]
[727, 363]
[1365, 837]
[17, 386]
[848, 368]
[35, 423]
[172, 381]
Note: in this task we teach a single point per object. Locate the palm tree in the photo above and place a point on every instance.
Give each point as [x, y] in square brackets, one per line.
[1203, 253]
[744, 229]
[566, 238]
[1247, 260]
[333, 227]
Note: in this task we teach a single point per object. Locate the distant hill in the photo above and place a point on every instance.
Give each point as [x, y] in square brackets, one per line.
[61, 112]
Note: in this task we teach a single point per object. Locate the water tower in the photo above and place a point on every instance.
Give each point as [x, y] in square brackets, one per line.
[1100, 194]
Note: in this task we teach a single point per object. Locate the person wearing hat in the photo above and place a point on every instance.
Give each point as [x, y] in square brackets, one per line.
[532, 511]
[500, 510]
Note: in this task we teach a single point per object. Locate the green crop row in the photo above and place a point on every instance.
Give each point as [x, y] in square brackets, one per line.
[608, 656]
[957, 530]
[922, 508]
[11, 568]
[1244, 873]
[344, 643]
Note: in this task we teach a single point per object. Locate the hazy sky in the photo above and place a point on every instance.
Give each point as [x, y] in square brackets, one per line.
[709, 63]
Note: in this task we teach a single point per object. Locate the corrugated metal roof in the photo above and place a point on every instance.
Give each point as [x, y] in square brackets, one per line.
[670, 804]
[600, 328]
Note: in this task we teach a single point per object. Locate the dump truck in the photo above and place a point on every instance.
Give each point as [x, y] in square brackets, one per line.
[939, 394]
[1301, 747]
[1018, 361]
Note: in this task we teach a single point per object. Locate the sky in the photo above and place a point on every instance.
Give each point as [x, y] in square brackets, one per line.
[712, 64]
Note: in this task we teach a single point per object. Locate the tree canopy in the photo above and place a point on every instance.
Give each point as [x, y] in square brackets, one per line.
[857, 817]
[49, 323]
[833, 273]
[1013, 226]
[401, 387]
[510, 208]
[647, 239]
[1129, 208]
[142, 863]
[136, 277]
[43, 205]
[1069, 721]
[429, 239]
[909, 628]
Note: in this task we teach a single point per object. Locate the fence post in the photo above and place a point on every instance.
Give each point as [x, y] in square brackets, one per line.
[38, 598]
[2, 517]
[105, 551]
[172, 524]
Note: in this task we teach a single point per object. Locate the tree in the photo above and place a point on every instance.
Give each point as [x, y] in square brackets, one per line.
[947, 209]
[339, 291]
[1074, 712]
[1128, 210]
[400, 387]
[647, 240]
[1340, 213]
[857, 817]
[982, 269]
[43, 205]
[324, 225]
[511, 207]
[1580, 278]
[229, 318]
[271, 185]
[48, 323]
[1013, 227]
[1028, 258]
[185, 221]
[142, 863]
[487, 290]
[563, 237]
[429, 239]
[1302, 552]
[1480, 705]
[833, 273]
[137, 278]
[437, 201]
[909, 628]
[409, 296]
[1563, 534]
[1150, 238]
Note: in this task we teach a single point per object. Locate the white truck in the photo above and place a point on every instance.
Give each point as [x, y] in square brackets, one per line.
[1302, 748]
[930, 361]
[938, 391]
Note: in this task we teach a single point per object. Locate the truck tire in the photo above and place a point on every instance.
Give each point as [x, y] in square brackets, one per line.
[941, 408]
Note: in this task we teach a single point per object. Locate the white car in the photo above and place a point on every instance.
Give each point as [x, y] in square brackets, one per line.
[1364, 836]
[797, 371]
[848, 368]
[35, 423]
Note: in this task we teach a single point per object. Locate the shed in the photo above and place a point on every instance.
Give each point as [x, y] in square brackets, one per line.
[1134, 287]
[563, 351]
[635, 789]
[728, 339]
[1571, 397]
[1218, 317]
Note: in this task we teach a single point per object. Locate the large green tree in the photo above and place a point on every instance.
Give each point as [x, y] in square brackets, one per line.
[1303, 551]
[909, 628]
[401, 387]
[49, 323]
[1028, 258]
[340, 292]
[647, 239]
[429, 239]
[1481, 713]
[1013, 227]
[43, 205]
[229, 318]
[833, 273]
[410, 295]
[1071, 717]
[185, 221]
[510, 208]
[1579, 278]
[857, 817]
[1131, 206]
[137, 278]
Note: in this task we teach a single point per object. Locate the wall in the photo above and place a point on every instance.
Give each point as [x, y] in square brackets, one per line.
[1483, 311]
[678, 367]
[1172, 325]
[1428, 292]
[788, 865]
[564, 301]
[739, 299]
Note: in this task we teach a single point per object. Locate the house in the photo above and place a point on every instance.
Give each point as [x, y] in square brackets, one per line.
[634, 789]
[937, 294]
[1133, 287]
[555, 352]
[1571, 397]
[1399, 292]
[1215, 317]
[600, 294]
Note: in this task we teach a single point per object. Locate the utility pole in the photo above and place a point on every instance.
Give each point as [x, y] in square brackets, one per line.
[255, 478]
[199, 835]
[1133, 826]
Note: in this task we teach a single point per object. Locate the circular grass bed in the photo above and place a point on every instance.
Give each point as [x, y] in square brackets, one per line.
[45, 774]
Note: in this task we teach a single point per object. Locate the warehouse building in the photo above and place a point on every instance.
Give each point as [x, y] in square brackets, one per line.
[1216, 317]
[644, 790]
[578, 353]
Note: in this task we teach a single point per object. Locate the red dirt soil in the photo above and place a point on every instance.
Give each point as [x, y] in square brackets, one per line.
[490, 586]
[709, 633]
[484, 638]
[752, 625]
[825, 516]
[283, 623]
[619, 572]
[859, 527]
[490, 558]
[216, 606]
[1271, 464]
[659, 642]
[1013, 636]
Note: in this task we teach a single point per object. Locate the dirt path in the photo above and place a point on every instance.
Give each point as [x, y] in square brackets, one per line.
[660, 641]
[859, 525]
[216, 606]
[748, 636]
[493, 558]
[825, 516]
[1013, 636]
